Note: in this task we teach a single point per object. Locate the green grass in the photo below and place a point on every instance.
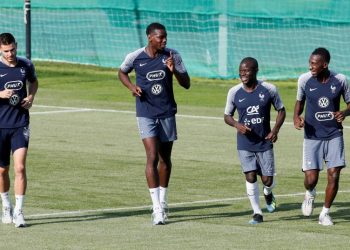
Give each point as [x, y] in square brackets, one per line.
[87, 190]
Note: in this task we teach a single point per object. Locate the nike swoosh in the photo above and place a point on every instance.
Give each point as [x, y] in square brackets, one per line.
[3, 75]
[312, 89]
[142, 64]
[241, 100]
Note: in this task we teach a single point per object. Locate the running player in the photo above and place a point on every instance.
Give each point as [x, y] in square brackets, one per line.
[155, 66]
[321, 90]
[18, 86]
[253, 99]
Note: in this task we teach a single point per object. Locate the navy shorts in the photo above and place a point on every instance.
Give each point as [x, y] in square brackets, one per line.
[10, 140]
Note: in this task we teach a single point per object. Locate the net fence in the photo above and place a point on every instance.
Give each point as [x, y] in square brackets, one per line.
[212, 36]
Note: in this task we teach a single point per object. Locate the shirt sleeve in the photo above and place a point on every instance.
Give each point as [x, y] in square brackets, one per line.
[230, 107]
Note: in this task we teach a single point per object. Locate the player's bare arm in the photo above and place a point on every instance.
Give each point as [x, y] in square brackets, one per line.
[241, 128]
[340, 115]
[182, 78]
[298, 110]
[125, 79]
[32, 89]
[281, 116]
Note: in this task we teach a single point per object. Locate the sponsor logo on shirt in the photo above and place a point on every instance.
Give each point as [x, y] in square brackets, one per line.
[253, 110]
[323, 102]
[156, 89]
[155, 75]
[324, 116]
[14, 85]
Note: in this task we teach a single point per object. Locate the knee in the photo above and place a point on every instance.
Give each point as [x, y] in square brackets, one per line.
[19, 169]
[4, 171]
[268, 182]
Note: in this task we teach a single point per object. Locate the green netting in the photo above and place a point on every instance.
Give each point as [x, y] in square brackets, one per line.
[212, 36]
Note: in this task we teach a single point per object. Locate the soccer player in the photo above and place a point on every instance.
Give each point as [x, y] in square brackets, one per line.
[18, 86]
[321, 90]
[155, 66]
[252, 99]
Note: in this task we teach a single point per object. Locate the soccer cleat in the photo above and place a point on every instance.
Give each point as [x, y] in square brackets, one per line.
[257, 218]
[325, 220]
[270, 202]
[165, 208]
[158, 217]
[6, 215]
[308, 204]
[18, 219]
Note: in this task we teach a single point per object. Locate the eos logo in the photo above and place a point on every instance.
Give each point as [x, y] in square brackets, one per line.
[253, 110]
[324, 116]
[155, 75]
[14, 85]
[323, 102]
[156, 89]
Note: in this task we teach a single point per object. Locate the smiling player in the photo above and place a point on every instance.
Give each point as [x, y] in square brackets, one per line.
[253, 99]
[155, 66]
[321, 90]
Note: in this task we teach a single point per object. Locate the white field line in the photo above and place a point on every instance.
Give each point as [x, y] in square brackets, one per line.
[74, 110]
[147, 207]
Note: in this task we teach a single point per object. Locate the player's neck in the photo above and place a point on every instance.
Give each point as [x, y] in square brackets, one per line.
[10, 64]
[251, 86]
[324, 76]
[151, 52]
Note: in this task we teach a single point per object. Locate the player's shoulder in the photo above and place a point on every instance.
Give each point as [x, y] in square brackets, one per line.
[305, 77]
[340, 77]
[22, 61]
[234, 89]
[267, 85]
[173, 51]
[135, 53]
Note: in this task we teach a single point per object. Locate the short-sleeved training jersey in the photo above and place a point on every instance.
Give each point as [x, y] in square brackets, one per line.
[253, 111]
[322, 99]
[155, 80]
[15, 78]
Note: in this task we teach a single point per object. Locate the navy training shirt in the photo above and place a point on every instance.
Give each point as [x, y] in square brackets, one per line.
[254, 111]
[322, 99]
[15, 78]
[155, 80]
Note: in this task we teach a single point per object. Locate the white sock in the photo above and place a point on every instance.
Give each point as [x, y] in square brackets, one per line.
[163, 194]
[268, 190]
[324, 211]
[253, 195]
[6, 202]
[19, 202]
[311, 193]
[155, 198]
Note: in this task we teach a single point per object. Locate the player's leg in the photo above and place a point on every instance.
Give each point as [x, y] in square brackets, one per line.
[5, 151]
[266, 163]
[149, 130]
[19, 166]
[312, 164]
[167, 135]
[334, 157]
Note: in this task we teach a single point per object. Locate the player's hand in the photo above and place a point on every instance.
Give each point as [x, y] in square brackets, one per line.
[136, 91]
[243, 129]
[299, 122]
[6, 94]
[339, 116]
[27, 102]
[271, 137]
[170, 62]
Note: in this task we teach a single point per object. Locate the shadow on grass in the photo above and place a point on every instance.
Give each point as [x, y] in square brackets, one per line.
[339, 212]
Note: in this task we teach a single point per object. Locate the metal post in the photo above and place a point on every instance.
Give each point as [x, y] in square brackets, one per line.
[28, 27]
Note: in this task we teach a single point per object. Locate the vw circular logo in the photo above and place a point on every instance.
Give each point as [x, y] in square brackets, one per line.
[323, 102]
[14, 100]
[157, 89]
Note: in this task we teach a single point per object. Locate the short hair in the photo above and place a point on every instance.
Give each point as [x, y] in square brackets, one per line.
[251, 60]
[7, 39]
[322, 52]
[154, 26]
